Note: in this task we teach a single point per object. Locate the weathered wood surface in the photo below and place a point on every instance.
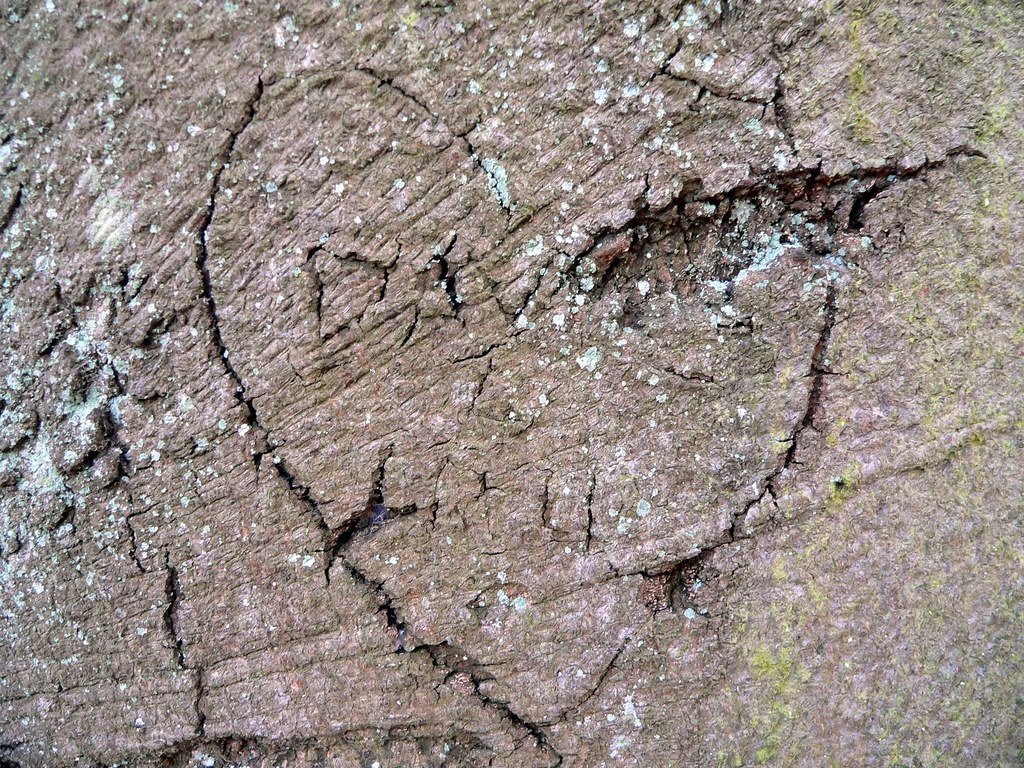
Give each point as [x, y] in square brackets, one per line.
[519, 385]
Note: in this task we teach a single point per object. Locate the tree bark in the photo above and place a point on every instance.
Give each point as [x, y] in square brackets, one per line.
[524, 384]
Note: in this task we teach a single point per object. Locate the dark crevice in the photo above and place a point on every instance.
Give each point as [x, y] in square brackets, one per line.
[725, 13]
[449, 660]
[375, 514]
[443, 658]
[6, 749]
[389, 82]
[609, 667]
[817, 372]
[704, 89]
[802, 182]
[545, 504]
[683, 222]
[383, 290]
[478, 355]
[200, 714]
[742, 324]
[663, 68]
[795, 185]
[67, 516]
[534, 730]
[133, 551]
[591, 487]
[172, 592]
[446, 277]
[781, 113]
[412, 326]
[123, 450]
[202, 256]
[305, 498]
[538, 281]
[481, 384]
[700, 378]
[12, 209]
[384, 270]
[484, 485]
[861, 200]
[318, 284]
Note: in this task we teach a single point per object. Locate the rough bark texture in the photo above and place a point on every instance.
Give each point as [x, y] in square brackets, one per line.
[526, 384]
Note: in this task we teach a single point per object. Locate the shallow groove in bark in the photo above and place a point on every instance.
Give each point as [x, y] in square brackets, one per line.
[817, 371]
[440, 656]
[335, 541]
[389, 82]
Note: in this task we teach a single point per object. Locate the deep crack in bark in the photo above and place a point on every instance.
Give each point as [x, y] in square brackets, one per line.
[880, 180]
[202, 256]
[446, 277]
[172, 593]
[12, 209]
[335, 543]
[389, 82]
[610, 246]
[816, 373]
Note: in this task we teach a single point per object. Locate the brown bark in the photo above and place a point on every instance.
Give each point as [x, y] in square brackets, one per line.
[517, 385]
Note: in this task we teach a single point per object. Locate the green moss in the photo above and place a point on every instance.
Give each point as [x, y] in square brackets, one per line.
[842, 486]
[995, 120]
[776, 670]
[858, 121]
[773, 667]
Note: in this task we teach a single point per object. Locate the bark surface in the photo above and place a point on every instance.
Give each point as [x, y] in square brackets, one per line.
[527, 384]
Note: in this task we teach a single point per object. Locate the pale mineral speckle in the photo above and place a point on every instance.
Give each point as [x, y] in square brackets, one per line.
[497, 181]
[754, 126]
[742, 210]
[113, 219]
[589, 360]
[705, 63]
[692, 16]
[629, 710]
